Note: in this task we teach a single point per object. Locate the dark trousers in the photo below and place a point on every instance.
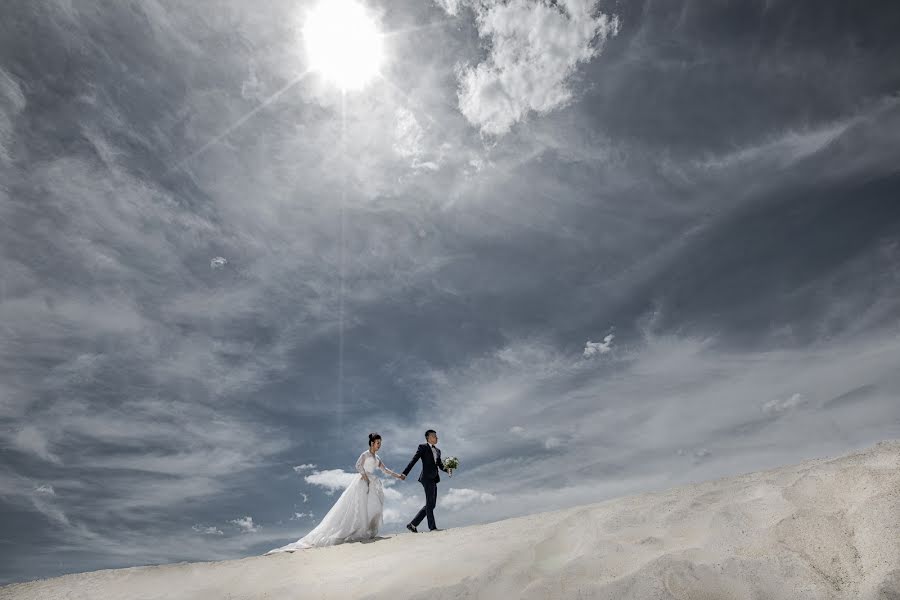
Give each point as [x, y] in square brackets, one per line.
[430, 502]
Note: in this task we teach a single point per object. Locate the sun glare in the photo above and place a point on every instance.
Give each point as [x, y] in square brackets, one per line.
[342, 43]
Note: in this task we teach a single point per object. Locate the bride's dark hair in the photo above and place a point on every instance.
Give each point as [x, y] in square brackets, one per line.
[373, 437]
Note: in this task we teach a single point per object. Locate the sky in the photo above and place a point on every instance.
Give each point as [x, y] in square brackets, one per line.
[602, 248]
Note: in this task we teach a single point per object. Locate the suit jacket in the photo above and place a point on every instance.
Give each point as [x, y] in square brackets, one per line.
[429, 466]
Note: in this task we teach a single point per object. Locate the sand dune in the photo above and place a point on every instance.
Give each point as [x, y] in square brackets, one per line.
[822, 529]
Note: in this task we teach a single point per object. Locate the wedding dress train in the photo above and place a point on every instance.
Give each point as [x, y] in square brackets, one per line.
[357, 514]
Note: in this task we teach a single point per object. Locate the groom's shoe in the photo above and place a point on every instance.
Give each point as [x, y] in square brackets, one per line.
[412, 528]
[436, 529]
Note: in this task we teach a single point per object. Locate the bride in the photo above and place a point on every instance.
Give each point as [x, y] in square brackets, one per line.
[357, 514]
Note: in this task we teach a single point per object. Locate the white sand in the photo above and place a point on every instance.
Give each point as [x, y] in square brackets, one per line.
[822, 529]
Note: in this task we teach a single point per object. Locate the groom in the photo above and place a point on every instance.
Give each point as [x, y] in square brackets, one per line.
[429, 478]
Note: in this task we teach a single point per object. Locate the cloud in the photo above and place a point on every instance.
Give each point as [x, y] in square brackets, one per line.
[12, 103]
[408, 134]
[245, 524]
[31, 440]
[45, 490]
[217, 263]
[780, 405]
[516, 430]
[394, 495]
[459, 498]
[168, 454]
[392, 515]
[400, 507]
[304, 467]
[305, 497]
[593, 348]
[534, 49]
[211, 530]
[301, 515]
[252, 88]
[450, 6]
[412, 141]
[332, 480]
[44, 500]
[781, 149]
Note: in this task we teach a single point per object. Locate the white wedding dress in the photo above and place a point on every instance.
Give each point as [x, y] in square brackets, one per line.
[357, 514]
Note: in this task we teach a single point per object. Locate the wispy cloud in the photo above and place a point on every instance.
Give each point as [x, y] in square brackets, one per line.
[207, 530]
[12, 102]
[779, 405]
[45, 490]
[31, 440]
[784, 149]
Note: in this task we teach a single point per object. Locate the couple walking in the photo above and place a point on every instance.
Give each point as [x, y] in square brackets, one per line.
[358, 513]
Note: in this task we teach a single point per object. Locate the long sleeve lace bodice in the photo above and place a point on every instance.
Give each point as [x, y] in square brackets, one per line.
[367, 463]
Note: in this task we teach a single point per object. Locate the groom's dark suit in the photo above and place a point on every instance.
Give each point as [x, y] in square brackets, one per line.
[429, 478]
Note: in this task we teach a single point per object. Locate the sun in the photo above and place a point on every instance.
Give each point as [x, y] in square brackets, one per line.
[343, 43]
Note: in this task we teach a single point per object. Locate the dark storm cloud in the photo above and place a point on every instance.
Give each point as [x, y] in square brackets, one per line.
[710, 184]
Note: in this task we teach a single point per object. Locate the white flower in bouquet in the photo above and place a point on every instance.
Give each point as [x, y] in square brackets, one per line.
[451, 463]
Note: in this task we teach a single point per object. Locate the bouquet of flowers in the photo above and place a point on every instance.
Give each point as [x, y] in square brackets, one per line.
[452, 463]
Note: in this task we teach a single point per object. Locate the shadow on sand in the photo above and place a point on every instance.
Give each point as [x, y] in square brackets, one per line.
[377, 538]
